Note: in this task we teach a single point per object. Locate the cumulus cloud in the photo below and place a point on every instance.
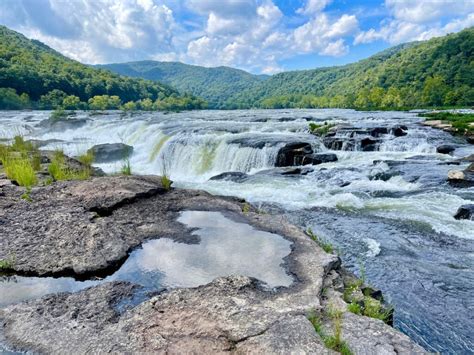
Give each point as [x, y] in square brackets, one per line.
[420, 20]
[253, 35]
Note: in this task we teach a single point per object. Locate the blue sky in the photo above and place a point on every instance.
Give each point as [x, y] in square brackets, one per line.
[260, 36]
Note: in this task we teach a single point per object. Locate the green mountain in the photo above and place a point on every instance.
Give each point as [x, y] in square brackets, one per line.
[216, 85]
[431, 73]
[34, 75]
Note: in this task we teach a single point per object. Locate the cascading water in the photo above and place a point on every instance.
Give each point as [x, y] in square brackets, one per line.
[388, 208]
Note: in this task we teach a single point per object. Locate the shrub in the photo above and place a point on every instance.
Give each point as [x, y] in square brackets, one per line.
[166, 182]
[58, 114]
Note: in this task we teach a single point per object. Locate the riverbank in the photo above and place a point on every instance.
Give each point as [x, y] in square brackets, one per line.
[87, 228]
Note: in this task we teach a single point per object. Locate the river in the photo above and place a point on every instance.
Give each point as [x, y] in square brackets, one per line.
[389, 212]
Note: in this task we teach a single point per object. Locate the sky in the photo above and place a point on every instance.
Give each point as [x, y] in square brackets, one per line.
[260, 36]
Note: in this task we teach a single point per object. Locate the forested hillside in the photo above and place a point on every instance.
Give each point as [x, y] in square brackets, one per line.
[215, 85]
[32, 75]
[438, 72]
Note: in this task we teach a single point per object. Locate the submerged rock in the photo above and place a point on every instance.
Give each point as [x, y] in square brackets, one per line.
[110, 152]
[318, 158]
[445, 149]
[235, 176]
[465, 212]
[399, 131]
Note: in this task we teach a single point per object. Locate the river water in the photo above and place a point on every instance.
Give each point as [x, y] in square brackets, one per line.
[397, 231]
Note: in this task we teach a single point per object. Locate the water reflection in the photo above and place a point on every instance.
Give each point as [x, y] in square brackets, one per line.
[226, 248]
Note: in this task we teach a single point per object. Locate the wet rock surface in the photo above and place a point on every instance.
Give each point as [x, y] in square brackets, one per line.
[85, 227]
[110, 152]
[465, 212]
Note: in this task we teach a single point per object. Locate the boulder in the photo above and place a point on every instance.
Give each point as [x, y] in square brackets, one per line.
[335, 143]
[465, 212]
[110, 152]
[369, 144]
[235, 176]
[318, 158]
[399, 131]
[462, 178]
[445, 149]
[292, 153]
[378, 131]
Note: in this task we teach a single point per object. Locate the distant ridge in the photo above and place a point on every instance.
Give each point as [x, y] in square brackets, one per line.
[429, 73]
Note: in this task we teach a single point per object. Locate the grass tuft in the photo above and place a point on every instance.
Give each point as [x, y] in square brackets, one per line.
[333, 342]
[166, 182]
[325, 245]
[59, 170]
[20, 170]
[126, 167]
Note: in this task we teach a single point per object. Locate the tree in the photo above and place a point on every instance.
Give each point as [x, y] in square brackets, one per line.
[129, 106]
[71, 102]
[434, 91]
[52, 99]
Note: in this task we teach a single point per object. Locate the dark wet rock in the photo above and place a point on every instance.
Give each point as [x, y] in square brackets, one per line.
[445, 149]
[62, 125]
[378, 131]
[399, 131]
[260, 141]
[318, 158]
[335, 143]
[369, 144]
[383, 175]
[292, 153]
[286, 171]
[465, 212]
[110, 152]
[235, 176]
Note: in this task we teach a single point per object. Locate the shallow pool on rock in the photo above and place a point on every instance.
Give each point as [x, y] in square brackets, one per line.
[226, 248]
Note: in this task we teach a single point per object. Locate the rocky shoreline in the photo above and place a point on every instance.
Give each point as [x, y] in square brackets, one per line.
[88, 228]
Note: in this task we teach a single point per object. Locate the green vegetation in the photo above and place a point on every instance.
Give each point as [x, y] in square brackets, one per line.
[5, 265]
[463, 122]
[32, 75]
[126, 168]
[215, 85]
[246, 208]
[166, 182]
[334, 341]
[365, 305]
[432, 73]
[320, 130]
[20, 161]
[325, 245]
[59, 170]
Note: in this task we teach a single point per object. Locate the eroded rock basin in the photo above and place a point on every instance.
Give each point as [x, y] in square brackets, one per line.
[225, 248]
[87, 227]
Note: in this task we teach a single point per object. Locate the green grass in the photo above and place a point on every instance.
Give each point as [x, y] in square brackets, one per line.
[460, 121]
[334, 341]
[166, 182]
[369, 306]
[325, 245]
[59, 170]
[246, 208]
[6, 265]
[20, 170]
[126, 168]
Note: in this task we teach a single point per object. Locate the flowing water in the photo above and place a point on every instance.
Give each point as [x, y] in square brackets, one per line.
[399, 231]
